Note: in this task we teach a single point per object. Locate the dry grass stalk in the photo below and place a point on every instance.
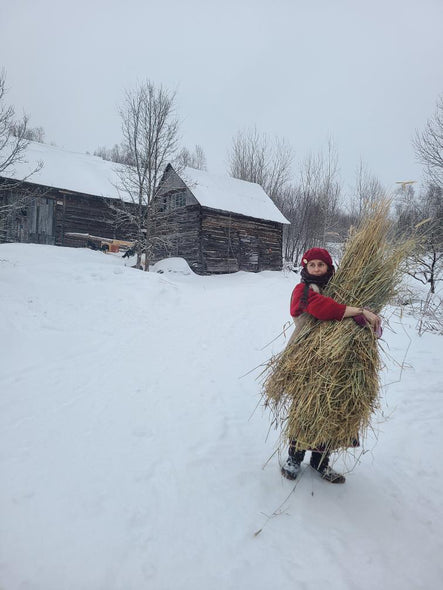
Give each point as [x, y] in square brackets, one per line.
[324, 387]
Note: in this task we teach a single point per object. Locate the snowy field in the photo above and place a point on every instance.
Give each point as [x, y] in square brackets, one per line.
[134, 456]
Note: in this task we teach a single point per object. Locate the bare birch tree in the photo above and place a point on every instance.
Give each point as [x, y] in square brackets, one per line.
[195, 159]
[312, 204]
[150, 137]
[32, 133]
[329, 190]
[366, 191]
[428, 145]
[115, 154]
[256, 158]
[13, 140]
[423, 216]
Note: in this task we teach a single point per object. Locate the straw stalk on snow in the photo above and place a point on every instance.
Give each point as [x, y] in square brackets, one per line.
[324, 387]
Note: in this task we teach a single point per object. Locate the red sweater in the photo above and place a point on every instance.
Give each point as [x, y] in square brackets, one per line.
[320, 306]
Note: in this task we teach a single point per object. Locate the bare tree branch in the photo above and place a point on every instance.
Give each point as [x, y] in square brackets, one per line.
[196, 159]
[150, 139]
[428, 145]
[423, 216]
[366, 191]
[255, 158]
[14, 140]
[312, 204]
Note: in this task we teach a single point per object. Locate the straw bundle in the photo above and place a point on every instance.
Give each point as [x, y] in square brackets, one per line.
[324, 387]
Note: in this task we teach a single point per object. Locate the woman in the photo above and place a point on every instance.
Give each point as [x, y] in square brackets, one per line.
[307, 298]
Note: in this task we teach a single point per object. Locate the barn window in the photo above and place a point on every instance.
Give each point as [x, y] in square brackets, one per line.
[177, 200]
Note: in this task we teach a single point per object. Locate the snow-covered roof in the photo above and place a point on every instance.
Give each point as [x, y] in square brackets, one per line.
[66, 170]
[230, 194]
[91, 175]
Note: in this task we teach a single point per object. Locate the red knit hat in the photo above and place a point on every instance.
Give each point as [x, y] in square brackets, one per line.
[317, 254]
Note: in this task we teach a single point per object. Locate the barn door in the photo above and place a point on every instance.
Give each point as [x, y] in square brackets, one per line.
[41, 221]
[254, 254]
[249, 250]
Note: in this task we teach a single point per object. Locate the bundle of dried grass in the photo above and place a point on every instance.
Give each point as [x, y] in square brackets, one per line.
[324, 387]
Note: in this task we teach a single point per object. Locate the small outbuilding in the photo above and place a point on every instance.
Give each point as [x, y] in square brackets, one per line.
[66, 202]
[218, 224]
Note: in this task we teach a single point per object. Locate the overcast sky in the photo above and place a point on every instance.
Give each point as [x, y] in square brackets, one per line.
[366, 73]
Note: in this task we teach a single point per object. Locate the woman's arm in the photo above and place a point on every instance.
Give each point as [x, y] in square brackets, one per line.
[319, 306]
[350, 311]
[325, 308]
[372, 318]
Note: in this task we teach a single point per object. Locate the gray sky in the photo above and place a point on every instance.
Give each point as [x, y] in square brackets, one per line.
[365, 73]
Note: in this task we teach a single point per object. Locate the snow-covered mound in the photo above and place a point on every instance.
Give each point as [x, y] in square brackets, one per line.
[174, 265]
[134, 456]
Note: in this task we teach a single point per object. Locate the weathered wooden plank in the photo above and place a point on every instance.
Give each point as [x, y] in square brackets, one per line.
[254, 244]
[58, 212]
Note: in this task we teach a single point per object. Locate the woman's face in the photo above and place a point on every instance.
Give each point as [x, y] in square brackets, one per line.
[317, 268]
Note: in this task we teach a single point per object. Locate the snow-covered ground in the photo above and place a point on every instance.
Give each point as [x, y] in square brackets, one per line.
[133, 455]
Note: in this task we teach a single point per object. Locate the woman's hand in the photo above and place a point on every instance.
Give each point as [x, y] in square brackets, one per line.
[373, 319]
[370, 317]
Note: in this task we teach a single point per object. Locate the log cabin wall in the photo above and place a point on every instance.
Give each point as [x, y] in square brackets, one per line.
[84, 214]
[176, 222]
[217, 242]
[46, 215]
[177, 232]
[232, 242]
[91, 215]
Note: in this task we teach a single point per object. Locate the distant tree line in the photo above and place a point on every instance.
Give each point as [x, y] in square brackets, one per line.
[313, 199]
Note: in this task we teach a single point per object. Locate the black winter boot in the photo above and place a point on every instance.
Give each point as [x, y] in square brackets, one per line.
[291, 468]
[320, 462]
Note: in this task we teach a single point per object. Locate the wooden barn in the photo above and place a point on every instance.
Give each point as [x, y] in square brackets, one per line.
[218, 224]
[65, 203]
